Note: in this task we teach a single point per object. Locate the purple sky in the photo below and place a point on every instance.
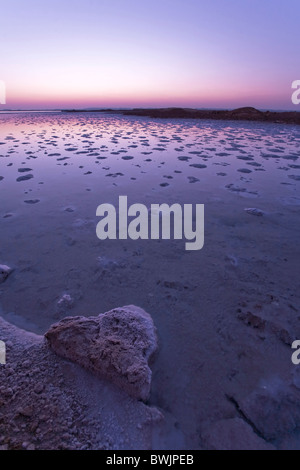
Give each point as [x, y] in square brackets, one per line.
[197, 53]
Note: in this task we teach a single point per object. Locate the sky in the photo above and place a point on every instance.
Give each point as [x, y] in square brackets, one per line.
[137, 53]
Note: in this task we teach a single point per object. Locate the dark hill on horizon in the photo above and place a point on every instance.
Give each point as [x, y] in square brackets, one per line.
[247, 113]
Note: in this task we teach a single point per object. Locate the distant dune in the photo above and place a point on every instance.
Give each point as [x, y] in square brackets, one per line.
[239, 114]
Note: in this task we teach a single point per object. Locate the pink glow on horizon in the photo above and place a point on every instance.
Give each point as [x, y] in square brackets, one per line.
[209, 95]
[111, 53]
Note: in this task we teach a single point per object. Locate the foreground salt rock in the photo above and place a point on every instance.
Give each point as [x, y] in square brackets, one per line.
[4, 272]
[48, 403]
[116, 345]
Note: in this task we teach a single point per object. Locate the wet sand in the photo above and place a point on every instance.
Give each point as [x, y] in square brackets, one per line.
[226, 315]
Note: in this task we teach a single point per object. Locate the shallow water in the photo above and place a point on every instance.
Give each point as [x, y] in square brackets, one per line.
[48, 235]
[111, 150]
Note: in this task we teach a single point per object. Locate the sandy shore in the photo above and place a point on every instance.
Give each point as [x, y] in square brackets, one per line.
[225, 316]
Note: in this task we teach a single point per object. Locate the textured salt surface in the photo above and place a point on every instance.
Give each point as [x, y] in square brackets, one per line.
[48, 403]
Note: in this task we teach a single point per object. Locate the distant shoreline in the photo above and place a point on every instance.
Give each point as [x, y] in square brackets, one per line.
[239, 114]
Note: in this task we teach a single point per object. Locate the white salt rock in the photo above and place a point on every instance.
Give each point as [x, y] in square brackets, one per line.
[254, 211]
[4, 272]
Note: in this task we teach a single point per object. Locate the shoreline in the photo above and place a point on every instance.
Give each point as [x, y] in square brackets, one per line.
[239, 114]
[248, 114]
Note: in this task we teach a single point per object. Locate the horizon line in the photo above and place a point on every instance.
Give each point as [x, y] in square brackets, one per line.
[109, 108]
